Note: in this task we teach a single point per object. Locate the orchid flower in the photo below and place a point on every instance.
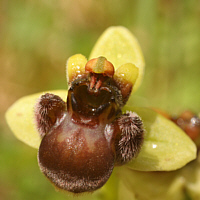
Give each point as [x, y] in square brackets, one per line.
[162, 146]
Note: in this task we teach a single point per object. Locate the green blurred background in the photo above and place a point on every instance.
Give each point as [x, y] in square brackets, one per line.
[37, 37]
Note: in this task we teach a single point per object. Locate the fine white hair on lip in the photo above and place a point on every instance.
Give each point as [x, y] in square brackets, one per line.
[132, 114]
[131, 137]
[37, 107]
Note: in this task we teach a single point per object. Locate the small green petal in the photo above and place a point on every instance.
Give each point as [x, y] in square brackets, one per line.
[20, 117]
[166, 147]
[119, 46]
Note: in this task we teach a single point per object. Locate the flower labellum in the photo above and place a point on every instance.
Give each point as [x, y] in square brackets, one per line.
[83, 139]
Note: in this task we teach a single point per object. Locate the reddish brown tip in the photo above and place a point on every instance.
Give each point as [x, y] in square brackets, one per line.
[100, 66]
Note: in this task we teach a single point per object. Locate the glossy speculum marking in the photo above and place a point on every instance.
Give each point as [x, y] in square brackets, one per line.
[86, 136]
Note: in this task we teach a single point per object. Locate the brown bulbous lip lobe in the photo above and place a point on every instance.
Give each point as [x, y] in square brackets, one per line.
[76, 160]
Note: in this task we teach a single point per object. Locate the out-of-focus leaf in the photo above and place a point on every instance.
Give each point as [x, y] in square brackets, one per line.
[124, 191]
[119, 46]
[180, 184]
[20, 118]
[191, 173]
[153, 185]
[166, 147]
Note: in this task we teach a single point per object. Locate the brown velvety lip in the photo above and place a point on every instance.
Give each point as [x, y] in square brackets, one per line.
[79, 162]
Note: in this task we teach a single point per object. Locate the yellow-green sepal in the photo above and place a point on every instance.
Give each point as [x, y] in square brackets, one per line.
[120, 46]
[166, 147]
[20, 117]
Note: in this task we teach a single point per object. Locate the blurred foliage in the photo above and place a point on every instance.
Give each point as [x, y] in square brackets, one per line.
[37, 37]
